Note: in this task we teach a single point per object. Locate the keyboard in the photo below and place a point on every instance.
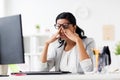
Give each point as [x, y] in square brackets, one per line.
[41, 73]
[4, 75]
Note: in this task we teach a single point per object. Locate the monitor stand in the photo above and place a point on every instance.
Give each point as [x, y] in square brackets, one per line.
[3, 70]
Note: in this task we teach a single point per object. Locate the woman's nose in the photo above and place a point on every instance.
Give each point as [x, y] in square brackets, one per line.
[62, 30]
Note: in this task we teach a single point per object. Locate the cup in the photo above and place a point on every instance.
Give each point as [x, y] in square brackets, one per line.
[3, 69]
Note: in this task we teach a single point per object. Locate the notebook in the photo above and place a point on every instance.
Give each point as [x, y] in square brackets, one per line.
[40, 73]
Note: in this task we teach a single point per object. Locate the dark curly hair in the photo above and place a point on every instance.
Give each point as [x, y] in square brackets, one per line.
[70, 17]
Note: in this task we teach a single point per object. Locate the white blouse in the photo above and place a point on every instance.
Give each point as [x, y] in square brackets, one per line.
[65, 60]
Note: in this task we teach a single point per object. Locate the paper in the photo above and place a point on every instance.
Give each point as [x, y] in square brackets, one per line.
[108, 32]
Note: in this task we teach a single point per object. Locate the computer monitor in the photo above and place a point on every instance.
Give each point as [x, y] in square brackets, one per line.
[11, 40]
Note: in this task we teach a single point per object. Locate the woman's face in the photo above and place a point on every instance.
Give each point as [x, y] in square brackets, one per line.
[64, 24]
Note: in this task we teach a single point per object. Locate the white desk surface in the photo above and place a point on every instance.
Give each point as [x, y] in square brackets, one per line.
[110, 76]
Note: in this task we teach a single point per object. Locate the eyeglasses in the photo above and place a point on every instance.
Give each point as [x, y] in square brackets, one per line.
[65, 26]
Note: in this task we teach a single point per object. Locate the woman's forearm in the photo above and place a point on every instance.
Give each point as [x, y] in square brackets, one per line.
[43, 56]
[83, 54]
[45, 49]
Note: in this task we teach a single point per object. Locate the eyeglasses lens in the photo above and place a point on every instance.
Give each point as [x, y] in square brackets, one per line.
[65, 26]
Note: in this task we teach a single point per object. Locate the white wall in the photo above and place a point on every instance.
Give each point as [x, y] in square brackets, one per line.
[43, 12]
[1, 8]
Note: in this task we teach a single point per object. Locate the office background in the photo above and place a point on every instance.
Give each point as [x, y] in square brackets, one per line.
[92, 15]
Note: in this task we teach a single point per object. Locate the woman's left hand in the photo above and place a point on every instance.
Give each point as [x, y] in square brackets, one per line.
[71, 35]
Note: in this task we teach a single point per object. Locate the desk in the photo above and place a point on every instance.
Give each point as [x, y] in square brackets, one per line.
[65, 77]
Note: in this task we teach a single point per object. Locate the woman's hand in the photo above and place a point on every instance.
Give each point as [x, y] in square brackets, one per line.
[71, 35]
[54, 37]
[45, 49]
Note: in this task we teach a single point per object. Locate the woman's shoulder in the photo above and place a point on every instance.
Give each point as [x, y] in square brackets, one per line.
[55, 44]
[88, 40]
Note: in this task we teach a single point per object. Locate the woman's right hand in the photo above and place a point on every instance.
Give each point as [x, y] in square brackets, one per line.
[45, 49]
[54, 37]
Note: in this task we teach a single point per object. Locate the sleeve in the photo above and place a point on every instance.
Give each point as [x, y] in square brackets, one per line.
[88, 64]
[50, 59]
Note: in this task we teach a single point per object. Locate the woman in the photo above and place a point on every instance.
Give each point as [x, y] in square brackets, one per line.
[68, 49]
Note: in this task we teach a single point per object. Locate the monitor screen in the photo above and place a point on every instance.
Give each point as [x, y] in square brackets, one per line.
[11, 40]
